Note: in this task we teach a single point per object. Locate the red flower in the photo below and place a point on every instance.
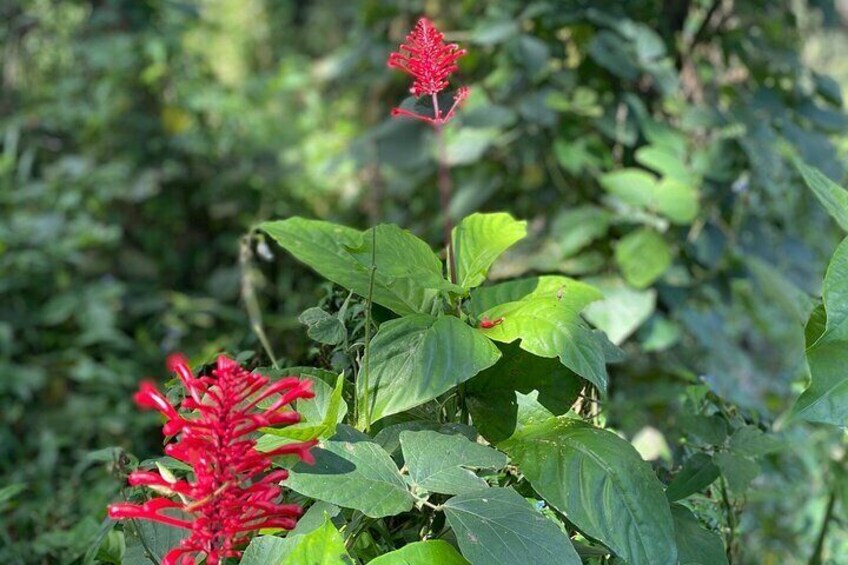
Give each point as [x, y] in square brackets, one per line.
[232, 492]
[430, 61]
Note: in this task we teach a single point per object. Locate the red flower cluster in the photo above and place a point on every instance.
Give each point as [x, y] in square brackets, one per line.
[430, 61]
[232, 492]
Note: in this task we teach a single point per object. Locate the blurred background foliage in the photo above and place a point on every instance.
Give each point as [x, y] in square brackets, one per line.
[649, 142]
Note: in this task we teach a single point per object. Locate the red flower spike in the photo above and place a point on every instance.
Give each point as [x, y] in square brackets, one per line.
[430, 62]
[233, 491]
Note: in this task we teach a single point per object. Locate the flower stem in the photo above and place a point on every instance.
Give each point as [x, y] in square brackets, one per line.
[366, 409]
[445, 189]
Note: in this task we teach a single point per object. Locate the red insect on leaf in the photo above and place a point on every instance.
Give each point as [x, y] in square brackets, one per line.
[486, 323]
[430, 62]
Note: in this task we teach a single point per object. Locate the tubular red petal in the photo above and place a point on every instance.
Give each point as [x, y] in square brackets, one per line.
[426, 58]
[230, 491]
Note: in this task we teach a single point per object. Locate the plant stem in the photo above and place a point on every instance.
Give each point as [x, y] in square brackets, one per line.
[731, 520]
[248, 296]
[445, 189]
[816, 557]
[366, 409]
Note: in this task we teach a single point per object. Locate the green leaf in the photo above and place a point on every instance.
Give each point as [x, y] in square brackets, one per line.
[753, 442]
[574, 229]
[738, 470]
[572, 293]
[441, 462]
[491, 395]
[417, 358]
[833, 197]
[826, 398]
[266, 550]
[467, 145]
[352, 471]
[695, 545]
[430, 552]
[622, 310]
[676, 200]
[322, 546]
[835, 296]
[314, 518]
[697, 473]
[497, 526]
[664, 161]
[479, 239]
[643, 256]
[158, 538]
[599, 481]
[408, 275]
[548, 327]
[320, 415]
[323, 327]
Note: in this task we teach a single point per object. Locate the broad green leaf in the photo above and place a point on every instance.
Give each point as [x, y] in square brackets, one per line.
[695, 545]
[314, 518]
[622, 310]
[158, 538]
[664, 161]
[643, 256]
[833, 197]
[676, 200]
[706, 430]
[599, 481]
[266, 550]
[323, 327]
[408, 275]
[320, 415]
[697, 473]
[826, 398]
[467, 145]
[417, 358]
[835, 295]
[491, 395]
[548, 327]
[322, 546]
[572, 293]
[753, 442]
[574, 229]
[442, 463]
[497, 526]
[478, 240]
[352, 471]
[430, 552]
[389, 437]
[737, 470]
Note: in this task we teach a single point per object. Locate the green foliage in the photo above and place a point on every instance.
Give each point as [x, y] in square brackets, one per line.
[442, 463]
[499, 526]
[657, 151]
[422, 553]
[478, 240]
[600, 483]
[352, 471]
[417, 358]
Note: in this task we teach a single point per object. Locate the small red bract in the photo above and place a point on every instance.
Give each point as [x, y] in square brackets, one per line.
[430, 62]
[233, 491]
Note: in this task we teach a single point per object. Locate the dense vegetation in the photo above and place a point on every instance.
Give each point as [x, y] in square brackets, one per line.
[155, 153]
